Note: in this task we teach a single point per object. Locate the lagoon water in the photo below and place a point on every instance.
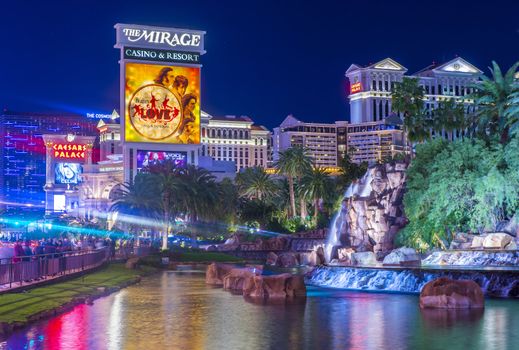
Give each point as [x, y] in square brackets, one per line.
[176, 310]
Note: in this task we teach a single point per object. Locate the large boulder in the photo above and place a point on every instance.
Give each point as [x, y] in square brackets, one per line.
[477, 242]
[287, 260]
[345, 255]
[512, 226]
[498, 240]
[445, 293]
[462, 241]
[316, 257]
[402, 256]
[364, 259]
[215, 273]
[275, 287]
[236, 278]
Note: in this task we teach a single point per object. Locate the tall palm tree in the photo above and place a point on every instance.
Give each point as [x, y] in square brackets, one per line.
[136, 199]
[494, 97]
[293, 163]
[316, 185]
[407, 98]
[448, 117]
[199, 193]
[166, 187]
[255, 183]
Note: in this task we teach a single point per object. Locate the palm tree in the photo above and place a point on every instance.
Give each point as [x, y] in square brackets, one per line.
[407, 98]
[166, 186]
[448, 117]
[199, 193]
[316, 185]
[293, 163]
[255, 183]
[135, 199]
[494, 97]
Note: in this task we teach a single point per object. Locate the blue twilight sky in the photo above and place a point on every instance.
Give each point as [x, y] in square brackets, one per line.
[265, 59]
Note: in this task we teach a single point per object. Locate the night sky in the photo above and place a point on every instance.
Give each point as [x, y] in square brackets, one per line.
[265, 59]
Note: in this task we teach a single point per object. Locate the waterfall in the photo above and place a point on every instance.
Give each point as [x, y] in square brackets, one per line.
[333, 238]
[473, 258]
[360, 188]
[503, 284]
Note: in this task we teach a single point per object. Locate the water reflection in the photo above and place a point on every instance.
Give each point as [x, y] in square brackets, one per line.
[178, 311]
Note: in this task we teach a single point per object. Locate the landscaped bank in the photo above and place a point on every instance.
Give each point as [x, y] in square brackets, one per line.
[19, 309]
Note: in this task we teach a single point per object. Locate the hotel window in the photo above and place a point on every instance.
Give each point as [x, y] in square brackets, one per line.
[432, 90]
[427, 89]
[375, 85]
[218, 133]
[387, 108]
[380, 85]
[374, 110]
[456, 91]
[380, 110]
[386, 85]
[440, 91]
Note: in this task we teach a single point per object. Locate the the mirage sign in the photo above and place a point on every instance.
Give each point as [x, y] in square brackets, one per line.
[158, 37]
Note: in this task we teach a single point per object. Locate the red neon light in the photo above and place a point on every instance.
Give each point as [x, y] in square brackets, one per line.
[70, 150]
[356, 87]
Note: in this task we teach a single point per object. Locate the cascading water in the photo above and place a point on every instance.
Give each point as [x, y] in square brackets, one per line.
[503, 284]
[359, 189]
[333, 238]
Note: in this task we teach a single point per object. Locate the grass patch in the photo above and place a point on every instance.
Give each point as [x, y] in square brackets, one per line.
[18, 307]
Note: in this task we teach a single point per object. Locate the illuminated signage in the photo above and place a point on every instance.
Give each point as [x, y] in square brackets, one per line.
[69, 150]
[147, 158]
[98, 116]
[355, 87]
[162, 104]
[161, 55]
[67, 173]
[158, 37]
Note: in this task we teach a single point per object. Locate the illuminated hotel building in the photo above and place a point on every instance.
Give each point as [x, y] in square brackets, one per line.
[236, 139]
[22, 153]
[375, 132]
[324, 142]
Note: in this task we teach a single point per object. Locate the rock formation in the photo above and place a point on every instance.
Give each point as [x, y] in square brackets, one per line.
[215, 273]
[445, 293]
[372, 210]
[236, 278]
[402, 256]
[275, 287]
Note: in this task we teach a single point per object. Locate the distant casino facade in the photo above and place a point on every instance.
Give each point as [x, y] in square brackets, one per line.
[23, 153]
[375, 133]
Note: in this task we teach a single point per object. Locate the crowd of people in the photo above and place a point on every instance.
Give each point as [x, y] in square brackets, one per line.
[19, 249]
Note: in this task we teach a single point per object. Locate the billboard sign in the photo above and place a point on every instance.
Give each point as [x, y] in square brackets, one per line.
[162, 104]
[147, 158]
[159, 37]
[67, 173]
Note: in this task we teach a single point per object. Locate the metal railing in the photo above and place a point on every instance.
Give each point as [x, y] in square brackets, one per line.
[35, 268]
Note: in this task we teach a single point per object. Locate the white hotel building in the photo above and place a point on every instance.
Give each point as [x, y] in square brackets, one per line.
[370, 133]
[237, 139]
